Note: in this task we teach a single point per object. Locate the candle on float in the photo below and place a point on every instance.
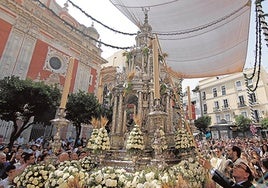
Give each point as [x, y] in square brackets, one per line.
[156, 70]
[190, 115]
[67, 84]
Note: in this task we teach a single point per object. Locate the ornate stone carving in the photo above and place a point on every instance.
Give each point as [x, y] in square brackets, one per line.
[63, 58]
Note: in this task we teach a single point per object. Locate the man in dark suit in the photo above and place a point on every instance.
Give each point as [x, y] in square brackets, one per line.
[241, 173]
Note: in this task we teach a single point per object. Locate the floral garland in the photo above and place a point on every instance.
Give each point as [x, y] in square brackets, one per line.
[135, 142]
[67, 172]
[146, 178]
[109, 177]
[34, 176]
[102, 141]
[91, 141]
[264, 25]
[191, 171]
[87, 163]
[183, 140]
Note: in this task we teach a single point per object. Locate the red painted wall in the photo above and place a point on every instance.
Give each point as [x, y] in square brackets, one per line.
[5, 29]
[94, 81]
[38, 62]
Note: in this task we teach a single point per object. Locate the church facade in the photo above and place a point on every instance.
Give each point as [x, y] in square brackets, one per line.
[38, 38]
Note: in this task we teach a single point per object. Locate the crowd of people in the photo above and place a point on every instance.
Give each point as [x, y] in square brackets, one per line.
[234, 163]
[13, 161]
[240, 162]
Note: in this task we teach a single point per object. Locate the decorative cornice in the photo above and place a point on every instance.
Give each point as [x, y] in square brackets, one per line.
[36, 19]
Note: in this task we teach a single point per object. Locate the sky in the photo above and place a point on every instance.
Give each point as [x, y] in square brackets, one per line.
[106, 13]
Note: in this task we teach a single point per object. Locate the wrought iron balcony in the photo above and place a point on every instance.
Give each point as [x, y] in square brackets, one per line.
[225, 108]
[216, 109]
[241, 105]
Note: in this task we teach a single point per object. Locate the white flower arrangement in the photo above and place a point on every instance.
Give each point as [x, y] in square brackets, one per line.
[191, 171]
[67, 172]
[91, 140]
[87, 163]
[109, 177]
[148, 178]
[99, 140]
[34, 176]
[183, 140]
[135, 142]
[102, 141]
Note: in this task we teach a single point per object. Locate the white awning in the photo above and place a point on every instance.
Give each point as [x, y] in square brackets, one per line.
[201, 37]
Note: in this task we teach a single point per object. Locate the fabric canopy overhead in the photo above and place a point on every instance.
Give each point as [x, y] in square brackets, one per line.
[202, 38]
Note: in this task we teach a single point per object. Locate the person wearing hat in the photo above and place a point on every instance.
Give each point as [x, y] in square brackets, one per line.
[241, 173]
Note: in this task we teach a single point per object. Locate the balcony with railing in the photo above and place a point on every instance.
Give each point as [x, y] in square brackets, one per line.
[241, 105]
[225, 108]
[216, 109]
[255, 103]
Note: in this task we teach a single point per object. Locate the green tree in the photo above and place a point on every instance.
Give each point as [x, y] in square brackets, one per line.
[81, 108]
[243, 123]
[26, 102]
[264, 123]
[202, 123]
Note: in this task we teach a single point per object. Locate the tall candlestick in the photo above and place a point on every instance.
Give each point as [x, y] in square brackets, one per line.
[67, 84]
[156, 70]
[190, 115]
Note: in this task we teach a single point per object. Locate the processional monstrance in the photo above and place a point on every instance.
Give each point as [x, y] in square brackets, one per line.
[147, 81]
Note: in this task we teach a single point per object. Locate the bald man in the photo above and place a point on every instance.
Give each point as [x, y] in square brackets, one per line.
[64, 156]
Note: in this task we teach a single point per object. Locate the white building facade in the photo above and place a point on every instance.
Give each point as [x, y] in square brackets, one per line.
[224, 97]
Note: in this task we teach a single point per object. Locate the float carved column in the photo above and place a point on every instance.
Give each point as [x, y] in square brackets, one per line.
[139, 103]
[114, 114]
[120, 114]
[151, 101]
[168, 125]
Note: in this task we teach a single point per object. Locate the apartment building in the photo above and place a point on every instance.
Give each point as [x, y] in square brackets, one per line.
[224, 97]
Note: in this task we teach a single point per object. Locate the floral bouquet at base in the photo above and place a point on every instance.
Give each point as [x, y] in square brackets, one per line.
[147, 178]
[88, 163]
[91, 141]
[102, 141]
[135, 142]
[66, 173]
[191, 171]
[109, 177]
[34, 176]
[183, 141]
